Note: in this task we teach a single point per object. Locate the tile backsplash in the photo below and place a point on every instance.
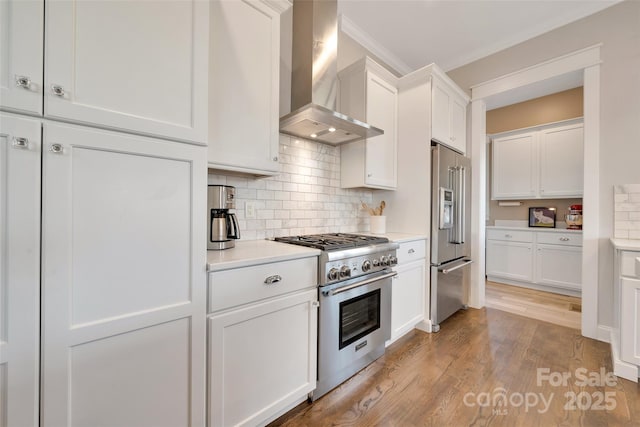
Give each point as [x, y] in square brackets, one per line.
[305, 198]
[627, 211]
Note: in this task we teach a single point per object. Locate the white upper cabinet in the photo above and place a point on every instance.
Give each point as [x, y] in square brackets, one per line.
[514, 167]
[19, 270]
[561, 161]
[448, 112]
[21, 55]
[138, 66]
[245, 86]
[538, 163]
[368, 93]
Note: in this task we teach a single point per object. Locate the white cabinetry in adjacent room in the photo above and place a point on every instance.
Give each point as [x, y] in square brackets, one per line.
[550, 260]
[544, 162]
[448, 112]
[369, 93]
[139, 77]
[262, 340]
[408, 296]
[123, 281]
[20, 143]
[244, 85]
[630, 313]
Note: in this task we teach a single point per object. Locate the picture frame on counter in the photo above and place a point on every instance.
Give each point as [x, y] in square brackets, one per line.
[542, 217]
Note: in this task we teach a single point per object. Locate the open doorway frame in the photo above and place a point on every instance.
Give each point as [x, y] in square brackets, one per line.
[588, 62]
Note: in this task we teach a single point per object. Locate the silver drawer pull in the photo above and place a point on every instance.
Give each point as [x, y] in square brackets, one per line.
[57, 90]
[19, 142]
[410, 251]
[564, 239]
[23, 82]
[273, 279]
[56, 148]
[508, 236]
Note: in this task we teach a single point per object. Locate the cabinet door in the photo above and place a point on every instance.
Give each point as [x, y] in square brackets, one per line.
[19, 271]
[514, 167]
[407, 298]
[630, 320]
[135, 65]
[21, 55]
[559, 266]
[262, 359]
[561, 161]
[245, 64]
[381, 151]
[123, 280]
[440, 115]
[510, 260]
[458, 120]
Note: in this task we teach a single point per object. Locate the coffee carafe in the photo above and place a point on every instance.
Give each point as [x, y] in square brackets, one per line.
[222, 225]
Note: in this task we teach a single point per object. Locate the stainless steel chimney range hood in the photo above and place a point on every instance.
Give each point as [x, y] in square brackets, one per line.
[314, 79]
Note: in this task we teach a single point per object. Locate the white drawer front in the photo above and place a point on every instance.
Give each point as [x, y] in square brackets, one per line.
[566, 239]
[411, 251]
[230, 288]
[628, 263]
[510, 235]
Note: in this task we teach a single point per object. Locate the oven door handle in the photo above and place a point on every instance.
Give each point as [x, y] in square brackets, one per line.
[364, 282]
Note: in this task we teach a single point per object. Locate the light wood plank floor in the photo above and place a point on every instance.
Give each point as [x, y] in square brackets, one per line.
[425, 379]
[553, 308]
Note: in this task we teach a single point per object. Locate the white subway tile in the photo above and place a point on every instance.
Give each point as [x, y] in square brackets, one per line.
[622, 234]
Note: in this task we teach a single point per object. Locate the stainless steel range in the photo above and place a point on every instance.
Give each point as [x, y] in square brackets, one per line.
[354, 276]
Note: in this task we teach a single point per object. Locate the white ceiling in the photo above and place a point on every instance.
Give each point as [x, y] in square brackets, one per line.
[408, 34]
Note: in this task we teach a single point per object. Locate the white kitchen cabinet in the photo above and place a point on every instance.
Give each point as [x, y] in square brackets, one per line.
[244, 86]
[262, 340]
[561, 161]
[21, 53]
[20, 143]
[123, 280]
[544, 162]
[368, 93]
[408, 292]
[548, 260]
[448, 113]
[515, 167]
[109, 64]
[630, 319]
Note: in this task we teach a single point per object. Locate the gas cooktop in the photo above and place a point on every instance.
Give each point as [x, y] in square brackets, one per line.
[333, 241]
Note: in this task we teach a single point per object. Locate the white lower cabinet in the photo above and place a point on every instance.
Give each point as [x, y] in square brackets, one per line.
[630, 320]
[20, 144]
[123, 283]
[550, 259]
[408, 291]
[262, 341]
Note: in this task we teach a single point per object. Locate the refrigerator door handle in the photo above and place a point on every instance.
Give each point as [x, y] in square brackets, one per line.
[460, 178]
[449, 270]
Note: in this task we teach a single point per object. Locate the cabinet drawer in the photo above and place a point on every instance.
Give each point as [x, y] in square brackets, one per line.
[230, 288]
[411, 251]
[566, 239]
[628, 263]
[510, 235]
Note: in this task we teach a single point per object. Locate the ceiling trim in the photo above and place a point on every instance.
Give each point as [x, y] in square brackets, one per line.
[358, 34]
[578, 60]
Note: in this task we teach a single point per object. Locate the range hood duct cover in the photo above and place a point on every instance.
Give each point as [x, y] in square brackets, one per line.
[314, 79]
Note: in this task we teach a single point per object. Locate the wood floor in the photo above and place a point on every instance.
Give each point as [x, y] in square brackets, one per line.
[456, 376]
[554, 308]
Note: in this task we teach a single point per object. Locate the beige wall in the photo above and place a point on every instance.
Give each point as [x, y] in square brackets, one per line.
[546, 109]
[618, 29]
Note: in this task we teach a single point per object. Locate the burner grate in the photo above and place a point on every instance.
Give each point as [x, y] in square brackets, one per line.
[333, 241]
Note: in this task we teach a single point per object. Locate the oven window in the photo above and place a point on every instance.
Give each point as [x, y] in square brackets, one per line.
[359, 317]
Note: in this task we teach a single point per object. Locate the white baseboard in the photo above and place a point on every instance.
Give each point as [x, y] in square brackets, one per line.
[604, 333]
[425, 326]
[621, 368]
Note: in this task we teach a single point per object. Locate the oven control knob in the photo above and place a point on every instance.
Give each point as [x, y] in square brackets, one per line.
[393, 260]
[384, 260]
[333, 274]
[376, 262]
[366, 266]
[345, 271]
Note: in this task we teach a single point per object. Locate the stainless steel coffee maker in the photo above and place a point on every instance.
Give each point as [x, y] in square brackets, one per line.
[222, 225]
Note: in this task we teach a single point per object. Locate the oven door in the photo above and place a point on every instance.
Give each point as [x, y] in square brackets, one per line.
[354, 323]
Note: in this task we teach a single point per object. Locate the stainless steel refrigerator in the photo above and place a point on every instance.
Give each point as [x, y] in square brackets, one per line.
[450, 232]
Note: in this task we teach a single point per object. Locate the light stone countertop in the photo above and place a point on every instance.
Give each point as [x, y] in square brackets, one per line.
[255, 252]
[546, 230]
[626, 245]
[399, 237]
